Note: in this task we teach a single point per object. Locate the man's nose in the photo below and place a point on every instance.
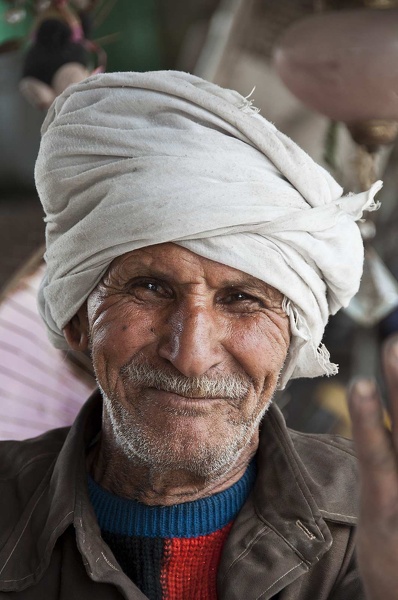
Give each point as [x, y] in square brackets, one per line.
[192, 340]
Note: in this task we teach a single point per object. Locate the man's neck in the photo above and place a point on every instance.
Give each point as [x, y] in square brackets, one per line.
[119, 474]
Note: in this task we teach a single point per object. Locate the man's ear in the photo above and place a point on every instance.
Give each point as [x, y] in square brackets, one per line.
[76, 331]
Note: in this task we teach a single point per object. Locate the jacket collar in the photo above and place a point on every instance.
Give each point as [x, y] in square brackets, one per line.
[282, 496]
[280, 530]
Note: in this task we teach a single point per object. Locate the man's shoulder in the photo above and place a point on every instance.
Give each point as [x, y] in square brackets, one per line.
[28, 460]
[328, 447]
[331, 465]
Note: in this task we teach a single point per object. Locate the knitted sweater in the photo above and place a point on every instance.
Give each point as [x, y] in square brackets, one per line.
[170, 552]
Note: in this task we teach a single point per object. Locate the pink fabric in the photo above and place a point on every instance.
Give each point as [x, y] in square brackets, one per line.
[39, 388]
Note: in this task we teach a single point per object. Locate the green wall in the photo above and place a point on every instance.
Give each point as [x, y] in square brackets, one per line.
[135, 24]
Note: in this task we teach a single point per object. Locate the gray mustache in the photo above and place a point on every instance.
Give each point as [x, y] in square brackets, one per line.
[234, 387]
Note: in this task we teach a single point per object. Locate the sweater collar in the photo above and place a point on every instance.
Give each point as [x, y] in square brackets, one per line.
[186, 520]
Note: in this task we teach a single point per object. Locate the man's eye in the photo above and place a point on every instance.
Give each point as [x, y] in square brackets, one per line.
[241, 297]
[144, 288]
[238, 296]
[150, 285]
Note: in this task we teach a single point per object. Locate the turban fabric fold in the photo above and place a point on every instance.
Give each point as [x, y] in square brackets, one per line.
[129, 160]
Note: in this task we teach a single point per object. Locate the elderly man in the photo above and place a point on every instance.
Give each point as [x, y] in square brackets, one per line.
[196, 253]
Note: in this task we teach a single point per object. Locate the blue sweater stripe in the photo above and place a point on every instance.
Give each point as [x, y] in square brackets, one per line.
[186, 520]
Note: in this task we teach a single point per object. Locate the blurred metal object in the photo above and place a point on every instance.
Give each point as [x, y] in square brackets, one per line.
[373, 133]
[366, 168]
[378, 293]
[367, 229]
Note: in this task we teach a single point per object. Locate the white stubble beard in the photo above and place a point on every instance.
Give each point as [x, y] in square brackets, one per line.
[159, 454]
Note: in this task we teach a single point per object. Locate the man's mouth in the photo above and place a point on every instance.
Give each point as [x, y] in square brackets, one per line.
[188, 405]
[144, 375]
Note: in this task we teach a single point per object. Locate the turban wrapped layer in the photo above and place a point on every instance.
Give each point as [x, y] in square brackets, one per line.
[129, 160]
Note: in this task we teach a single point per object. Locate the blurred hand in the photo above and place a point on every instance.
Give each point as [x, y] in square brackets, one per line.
[377, 449]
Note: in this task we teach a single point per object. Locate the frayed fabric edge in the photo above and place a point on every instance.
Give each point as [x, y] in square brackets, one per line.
[247, 105]
[299, 328]
[323, 358]
[372, 204]
[356, 204]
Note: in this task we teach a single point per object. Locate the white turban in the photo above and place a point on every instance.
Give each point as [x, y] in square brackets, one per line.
[129, 160]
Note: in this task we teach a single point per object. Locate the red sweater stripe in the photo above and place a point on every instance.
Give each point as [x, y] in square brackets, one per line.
[190, 565]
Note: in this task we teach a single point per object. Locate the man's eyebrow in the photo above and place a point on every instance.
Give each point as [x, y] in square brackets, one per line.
[142, 270]
[245, 280]
[146, 270]
[252, 284]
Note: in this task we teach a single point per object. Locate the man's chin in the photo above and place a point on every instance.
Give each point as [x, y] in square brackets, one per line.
[174, 433]
[206, 466]
[189, 448]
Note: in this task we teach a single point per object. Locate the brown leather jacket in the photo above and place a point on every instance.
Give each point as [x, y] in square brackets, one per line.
[293, 539]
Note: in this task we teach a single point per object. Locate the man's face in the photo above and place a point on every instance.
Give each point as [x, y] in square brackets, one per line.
[187, 353]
